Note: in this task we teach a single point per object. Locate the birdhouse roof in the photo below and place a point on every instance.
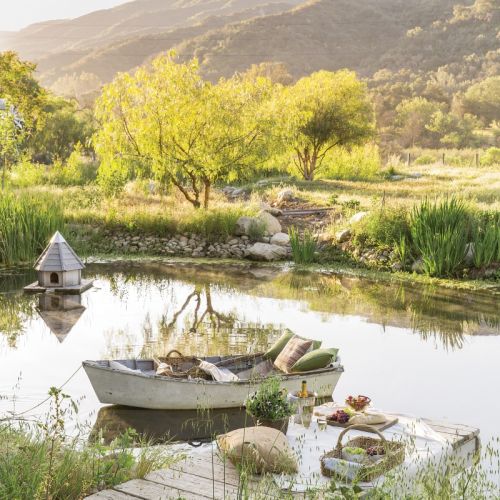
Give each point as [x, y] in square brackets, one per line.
[58, 256]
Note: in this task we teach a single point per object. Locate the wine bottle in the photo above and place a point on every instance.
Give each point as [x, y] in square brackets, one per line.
[303, 392]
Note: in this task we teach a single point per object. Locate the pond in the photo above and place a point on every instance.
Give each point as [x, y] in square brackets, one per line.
[430, 352]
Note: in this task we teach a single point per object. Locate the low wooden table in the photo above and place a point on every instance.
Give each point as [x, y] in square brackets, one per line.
[206, 475]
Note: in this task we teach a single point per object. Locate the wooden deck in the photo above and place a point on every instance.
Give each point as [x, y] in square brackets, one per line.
[205, 475]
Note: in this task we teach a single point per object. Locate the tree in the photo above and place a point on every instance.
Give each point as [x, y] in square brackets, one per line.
[483, 99]
[412, 118]
[10, 136]
[64, 126]
[277, 72]
[322, 111]
[19, 86]
[452, 130]
[188, 132]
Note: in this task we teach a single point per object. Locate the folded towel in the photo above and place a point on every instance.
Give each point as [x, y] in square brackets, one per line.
[218, 374]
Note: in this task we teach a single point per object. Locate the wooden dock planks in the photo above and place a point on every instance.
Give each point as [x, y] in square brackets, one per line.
[205, 475]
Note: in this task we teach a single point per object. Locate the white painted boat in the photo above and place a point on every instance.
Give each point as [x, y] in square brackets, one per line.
[139, 386]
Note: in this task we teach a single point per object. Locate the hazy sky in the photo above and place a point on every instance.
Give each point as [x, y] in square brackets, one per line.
[16, 14]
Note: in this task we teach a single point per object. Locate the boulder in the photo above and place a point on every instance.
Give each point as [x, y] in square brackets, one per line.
[265, 207]
[469, 254]
[243, 225]
[357, 217]
[343, 236]
[285, 195]
[270, 223]
[281, 239]
[267, 252]
[418, 266]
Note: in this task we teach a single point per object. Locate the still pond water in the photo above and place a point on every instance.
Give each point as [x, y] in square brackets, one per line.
[417, 350]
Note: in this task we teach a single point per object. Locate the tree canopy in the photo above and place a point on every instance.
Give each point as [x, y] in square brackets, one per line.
[320, 112]
[168, 121]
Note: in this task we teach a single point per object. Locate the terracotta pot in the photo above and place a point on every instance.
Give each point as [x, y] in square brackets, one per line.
[280, 425]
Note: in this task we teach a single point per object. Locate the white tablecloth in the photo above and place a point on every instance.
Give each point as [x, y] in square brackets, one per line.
[309, 444]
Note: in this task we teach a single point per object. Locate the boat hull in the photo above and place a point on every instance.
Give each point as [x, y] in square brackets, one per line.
[161, 393]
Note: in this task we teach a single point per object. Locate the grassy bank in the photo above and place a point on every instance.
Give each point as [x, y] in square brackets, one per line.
[40, 460]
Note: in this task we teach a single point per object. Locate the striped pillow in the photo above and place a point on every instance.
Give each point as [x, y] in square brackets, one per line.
[291, 353]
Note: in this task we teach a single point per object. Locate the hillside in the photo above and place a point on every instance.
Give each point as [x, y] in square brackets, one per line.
[405, 39]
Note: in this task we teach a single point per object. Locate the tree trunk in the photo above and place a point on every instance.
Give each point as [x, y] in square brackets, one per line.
[206, 194]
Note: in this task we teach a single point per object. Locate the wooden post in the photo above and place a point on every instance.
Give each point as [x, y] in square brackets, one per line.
[477, 159]
[443, 158]
[408, 161]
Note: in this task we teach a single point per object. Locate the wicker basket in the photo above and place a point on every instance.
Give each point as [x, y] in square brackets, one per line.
[180, 366]
[394, 453]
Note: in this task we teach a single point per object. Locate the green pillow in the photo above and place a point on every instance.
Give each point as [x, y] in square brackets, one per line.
[315, 360]
[280, 344]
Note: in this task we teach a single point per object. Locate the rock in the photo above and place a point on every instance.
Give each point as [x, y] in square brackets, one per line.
[281, 239]
[271, 224]
[243, 225]
[265, 207]
[285, 195]
[396, 266]
[469, 254]
[418, 266]
[343, 235]
[396, 177]
[234, 241]
[357, 217]
[266, 251]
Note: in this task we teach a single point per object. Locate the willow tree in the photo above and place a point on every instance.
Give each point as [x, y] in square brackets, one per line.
[168, 121]
[320, 112]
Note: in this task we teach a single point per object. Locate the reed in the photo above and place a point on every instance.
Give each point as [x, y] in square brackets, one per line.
[303, 247]
[440, 232]
[26, 223]
[486, 242]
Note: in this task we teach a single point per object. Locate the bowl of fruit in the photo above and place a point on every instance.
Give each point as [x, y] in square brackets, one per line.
[339, 417]
[358, 403]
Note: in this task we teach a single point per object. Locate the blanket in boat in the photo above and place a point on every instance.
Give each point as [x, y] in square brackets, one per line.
[425, 447]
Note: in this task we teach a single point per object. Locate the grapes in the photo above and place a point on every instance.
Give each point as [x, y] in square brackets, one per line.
[373, 451]
[339, 416]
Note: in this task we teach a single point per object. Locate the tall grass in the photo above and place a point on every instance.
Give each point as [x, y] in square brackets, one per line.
[26, 223]
[486, 242]
[43, 462]
[303, 247]
[440, 233]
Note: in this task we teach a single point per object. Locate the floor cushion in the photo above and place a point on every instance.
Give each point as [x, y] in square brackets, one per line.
[259, 449]
[291, 353]
[315, 360]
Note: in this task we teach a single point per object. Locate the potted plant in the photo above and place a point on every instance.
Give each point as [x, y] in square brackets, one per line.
[269, 406]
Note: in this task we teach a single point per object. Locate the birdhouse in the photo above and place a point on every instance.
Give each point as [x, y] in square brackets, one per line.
[59, 269]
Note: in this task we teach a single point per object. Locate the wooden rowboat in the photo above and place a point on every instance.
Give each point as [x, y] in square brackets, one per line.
[138, 385]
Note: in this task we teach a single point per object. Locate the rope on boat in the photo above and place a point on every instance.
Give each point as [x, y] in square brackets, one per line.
[49, 397]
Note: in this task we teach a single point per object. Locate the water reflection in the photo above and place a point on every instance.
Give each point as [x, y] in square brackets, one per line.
[60, 312]
[161, 426]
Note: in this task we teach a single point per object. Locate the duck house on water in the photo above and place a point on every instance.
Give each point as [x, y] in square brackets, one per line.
[59, 269]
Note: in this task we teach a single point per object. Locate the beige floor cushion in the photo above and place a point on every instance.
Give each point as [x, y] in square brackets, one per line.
[259, 449]
[291, 353]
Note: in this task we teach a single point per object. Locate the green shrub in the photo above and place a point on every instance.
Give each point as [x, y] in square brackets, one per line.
[382, 227]
[440, 232]
[26, 224]
[303, 248]
[212, 224]
[491, 157]
[486, 240]
[357, 163]
[425, 160]
[26, 174]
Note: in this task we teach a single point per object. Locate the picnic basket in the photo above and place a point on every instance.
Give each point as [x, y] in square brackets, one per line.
[394, 453]
[176, 365]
